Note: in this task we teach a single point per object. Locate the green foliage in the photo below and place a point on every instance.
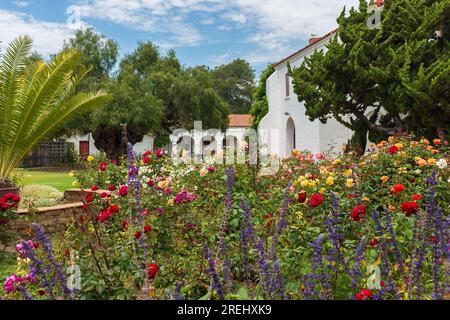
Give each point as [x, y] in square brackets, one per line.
[234, 82]
[37, 99]
[260, 105]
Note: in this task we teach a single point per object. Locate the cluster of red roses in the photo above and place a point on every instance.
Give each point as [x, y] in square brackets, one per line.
[107, 213]
[364, 294]
[408, 207]
[9, 201]
[315, 200]
[358, 212]
[146, 156]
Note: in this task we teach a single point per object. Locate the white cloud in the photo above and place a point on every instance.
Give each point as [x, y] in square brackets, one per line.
[277, 27]
[22, 4]
[48, 36]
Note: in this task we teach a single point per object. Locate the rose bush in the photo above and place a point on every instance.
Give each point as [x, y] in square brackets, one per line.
[312, 231]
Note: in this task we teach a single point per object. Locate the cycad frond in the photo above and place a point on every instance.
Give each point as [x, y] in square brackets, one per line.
[42, 99]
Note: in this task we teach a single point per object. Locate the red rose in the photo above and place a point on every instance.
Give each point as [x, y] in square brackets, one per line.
[393, 150]
[151, 183]
[302, 196]
[417, 197]
[104, 215]
[266, 216]
[138, 235]
[152, 269]
[159, 153]
[398, 188]
[316, 200]
[10, 196]
[89, 197]
[146, 159]
[114, 208]
[95, 188]
[112, 187]
[104, 195]
[374, 242]
[364, 294]
[123, 191]
[102, 166]
[409, 208]
[16, 198]
[314, 176]
[124, 224]
[147, 229]
[358, 213]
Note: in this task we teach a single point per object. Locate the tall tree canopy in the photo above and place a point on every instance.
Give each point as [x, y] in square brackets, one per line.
[101, 55]
[235, 83]
[260, 104]
[155, 94]
[403, 66]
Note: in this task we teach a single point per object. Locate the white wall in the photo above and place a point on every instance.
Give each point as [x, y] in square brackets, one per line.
[310, 135]
[145, 145]
[139, 148]
[76, 140]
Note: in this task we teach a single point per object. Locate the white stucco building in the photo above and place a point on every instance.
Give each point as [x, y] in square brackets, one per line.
[286, 127]
[84, 145]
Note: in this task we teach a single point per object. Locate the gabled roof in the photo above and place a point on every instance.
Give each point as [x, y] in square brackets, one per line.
[311, 44]
[240, 120]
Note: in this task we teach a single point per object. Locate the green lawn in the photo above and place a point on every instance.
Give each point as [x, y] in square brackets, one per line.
[59, 180]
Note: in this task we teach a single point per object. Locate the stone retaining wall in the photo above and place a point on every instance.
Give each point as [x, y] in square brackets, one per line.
[53, 219]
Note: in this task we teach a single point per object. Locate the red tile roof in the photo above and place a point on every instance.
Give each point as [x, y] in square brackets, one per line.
[312, 42]
[240, 120]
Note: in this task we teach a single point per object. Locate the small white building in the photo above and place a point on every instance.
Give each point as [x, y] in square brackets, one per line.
[85, 144]
[286, 127]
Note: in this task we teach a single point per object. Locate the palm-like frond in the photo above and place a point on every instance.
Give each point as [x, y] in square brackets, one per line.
[36, 100]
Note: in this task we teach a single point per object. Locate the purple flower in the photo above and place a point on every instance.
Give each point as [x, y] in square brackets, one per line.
[213, 273]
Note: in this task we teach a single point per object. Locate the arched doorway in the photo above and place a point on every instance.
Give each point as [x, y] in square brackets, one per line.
[290, 136]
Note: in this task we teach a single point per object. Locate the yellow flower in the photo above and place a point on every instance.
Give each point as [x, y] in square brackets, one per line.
[305, 183]
[71, 174]
[301, 178]
[375, 156]
[422, 163]
[399, 145]
[337, 161]
[163, 184]
[313, 184]
[365, 199]
[330, 181]
[170, 202]
[349, 183]
[90, 158]
[348, 173]
[296, 153]
[299, 215]
[322, 190]
[384, 178]
[402, 170]
[404, 154]
[391, 139]
[294, 184]
[431, 161]
[75, 184]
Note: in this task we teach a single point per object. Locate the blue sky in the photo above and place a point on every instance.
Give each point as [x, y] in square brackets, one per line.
[202, 32]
